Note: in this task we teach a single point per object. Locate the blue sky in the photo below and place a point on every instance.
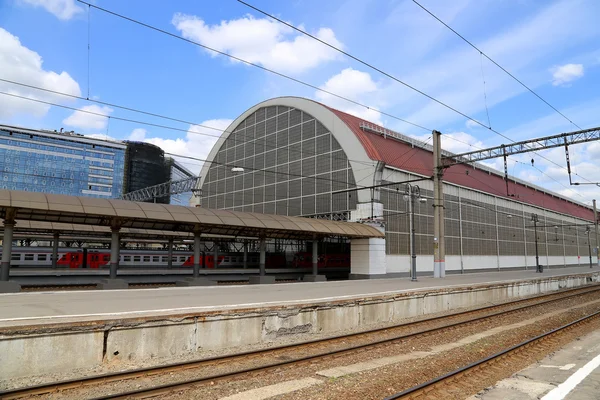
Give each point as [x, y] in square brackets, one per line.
[552, 46]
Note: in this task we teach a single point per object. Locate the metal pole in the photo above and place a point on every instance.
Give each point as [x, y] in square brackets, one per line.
[114, 253]
[262, 257]
[524, 234]
[497, 233]
[589, 246]
[55, 250]
[537, 256]
[438, 215]
[460, 233]
[315, 257]
[215, 255]
[170, 254]
[6, 250]
[245, 254]
[413, 247]
[196, 254]
[596, 230]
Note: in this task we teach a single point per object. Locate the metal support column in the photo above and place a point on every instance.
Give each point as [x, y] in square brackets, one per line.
[170, 254]
[497, 233]
[589, 245]
[315, 257]
[597, 237]
[411, 240]
[115, 246]
[524, 234]
[534, 218]
[262, 258]
[6, 250]
[460, 233]
[55, 250]
[245, 254]
[577, 241]
[215, 255]
[546, 238]
[439, 263]
[196, 254]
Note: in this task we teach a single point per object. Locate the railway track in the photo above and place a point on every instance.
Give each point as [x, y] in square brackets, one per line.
[276, 357]
[454, 381]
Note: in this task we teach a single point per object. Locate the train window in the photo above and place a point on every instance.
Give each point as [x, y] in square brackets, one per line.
[127, 259]
[28, 257]
[182, 259]
[163, 259]
[42, 257]
[15, 257]
[106, 258]
[155, 258]
[136, 258]
[146, 258]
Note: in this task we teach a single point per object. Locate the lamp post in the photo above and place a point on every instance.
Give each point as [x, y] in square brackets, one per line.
[587, 230]
[412, 193]
[534, 218]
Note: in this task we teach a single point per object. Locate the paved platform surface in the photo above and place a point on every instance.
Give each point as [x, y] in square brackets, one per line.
[68, 306]
[571, 373]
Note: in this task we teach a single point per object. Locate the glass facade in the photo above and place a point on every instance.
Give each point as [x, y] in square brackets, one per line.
[60, 163]
[179, 172]
[291, 162]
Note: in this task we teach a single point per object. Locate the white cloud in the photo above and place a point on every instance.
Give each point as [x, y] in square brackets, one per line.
[354, 85]
[566, 73]
[472, 124]
[261, 41]
[62, 9]
[137, 135]
[195, 144]
[20, 64]
[90, 117]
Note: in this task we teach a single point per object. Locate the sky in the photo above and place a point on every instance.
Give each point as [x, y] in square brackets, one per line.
[552, 46]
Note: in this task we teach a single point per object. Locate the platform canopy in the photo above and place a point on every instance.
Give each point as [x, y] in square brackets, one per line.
[30, 206]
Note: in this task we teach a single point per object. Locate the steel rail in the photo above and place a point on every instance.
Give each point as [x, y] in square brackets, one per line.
[153, 391]
[427, 387]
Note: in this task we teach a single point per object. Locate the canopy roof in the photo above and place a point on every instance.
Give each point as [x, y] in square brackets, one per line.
[56, 208]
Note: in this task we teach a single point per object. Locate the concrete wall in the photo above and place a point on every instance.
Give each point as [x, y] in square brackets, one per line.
[400, 264]
[63, 348]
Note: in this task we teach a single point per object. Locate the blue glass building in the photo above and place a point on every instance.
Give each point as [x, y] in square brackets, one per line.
[60, 163]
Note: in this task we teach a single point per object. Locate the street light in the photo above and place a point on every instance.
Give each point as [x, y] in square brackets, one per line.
[237, 170]
[411, 193]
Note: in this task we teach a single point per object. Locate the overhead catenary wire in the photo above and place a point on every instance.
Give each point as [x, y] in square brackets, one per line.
[167, 127]
[395, 78]
[496, 64]
[242, 140]
[252, 64]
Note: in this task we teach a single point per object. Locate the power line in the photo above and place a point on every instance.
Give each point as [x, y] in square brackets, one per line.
[244, 138]
[496, 64]
[519, 162]
[167, 127]
[393, 77]
[251, 64]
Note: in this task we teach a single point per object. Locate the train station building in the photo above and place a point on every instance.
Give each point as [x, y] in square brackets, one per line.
[296, 157]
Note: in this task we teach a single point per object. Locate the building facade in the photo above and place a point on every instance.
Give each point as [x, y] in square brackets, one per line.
[177, 173]
[301, 158]
[73, 164]
[61, 163]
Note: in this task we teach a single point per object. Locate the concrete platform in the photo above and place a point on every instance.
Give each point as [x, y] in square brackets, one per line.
[571, 373]
[42, 332]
